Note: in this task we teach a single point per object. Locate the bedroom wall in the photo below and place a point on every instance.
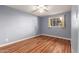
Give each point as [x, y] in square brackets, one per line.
[78, 28]
[56, 31]
[16, 25]
[75, 29]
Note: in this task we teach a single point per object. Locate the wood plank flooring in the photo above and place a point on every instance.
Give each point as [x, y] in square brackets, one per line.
[39, 44]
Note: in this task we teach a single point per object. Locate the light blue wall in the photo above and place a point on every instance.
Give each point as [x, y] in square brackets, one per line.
[78, 28]
[62, 32]
[75, 28]
[15, 25]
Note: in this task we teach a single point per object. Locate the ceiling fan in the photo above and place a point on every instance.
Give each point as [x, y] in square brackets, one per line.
[40, 8]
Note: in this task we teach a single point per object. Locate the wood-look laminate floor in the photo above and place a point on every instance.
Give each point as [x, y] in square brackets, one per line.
[39, 44]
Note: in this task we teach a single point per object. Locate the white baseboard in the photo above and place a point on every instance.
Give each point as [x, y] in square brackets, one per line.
[17, 41]
[56, 36]
[32, 37]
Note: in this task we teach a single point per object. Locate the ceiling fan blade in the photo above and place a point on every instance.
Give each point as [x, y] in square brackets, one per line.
[35, 10]
[46, 10]
[46, 5]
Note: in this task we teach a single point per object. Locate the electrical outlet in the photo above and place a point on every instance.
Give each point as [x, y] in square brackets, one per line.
[7, 39]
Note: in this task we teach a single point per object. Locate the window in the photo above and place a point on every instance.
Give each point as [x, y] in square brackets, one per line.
[57, 21]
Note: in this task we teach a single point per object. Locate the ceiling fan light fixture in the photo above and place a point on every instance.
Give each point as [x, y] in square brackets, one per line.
[40, 8]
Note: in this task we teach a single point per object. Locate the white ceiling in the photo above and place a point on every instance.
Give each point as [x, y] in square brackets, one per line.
[52, 9]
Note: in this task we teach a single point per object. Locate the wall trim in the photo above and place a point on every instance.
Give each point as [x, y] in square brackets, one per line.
[32, 37]
[56, 36]
[2, 45]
